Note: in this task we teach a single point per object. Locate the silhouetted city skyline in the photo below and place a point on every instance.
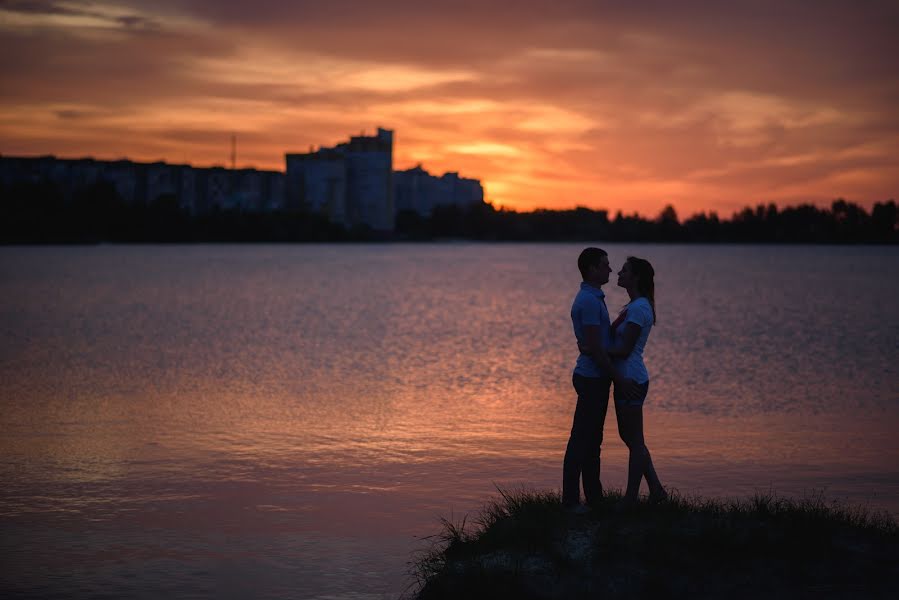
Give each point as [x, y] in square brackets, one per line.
[351, 184]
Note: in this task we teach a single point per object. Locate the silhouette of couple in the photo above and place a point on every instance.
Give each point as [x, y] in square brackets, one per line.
[610, 353]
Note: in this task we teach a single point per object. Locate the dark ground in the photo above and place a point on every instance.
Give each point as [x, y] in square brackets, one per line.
[524, 545]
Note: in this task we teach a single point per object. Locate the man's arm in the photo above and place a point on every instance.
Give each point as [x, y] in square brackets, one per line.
[595, 350]
[599, 354]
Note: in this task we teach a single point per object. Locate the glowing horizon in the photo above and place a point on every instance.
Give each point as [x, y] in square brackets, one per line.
[630, 108]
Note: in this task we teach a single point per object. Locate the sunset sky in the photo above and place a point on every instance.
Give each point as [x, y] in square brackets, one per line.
[707, 105]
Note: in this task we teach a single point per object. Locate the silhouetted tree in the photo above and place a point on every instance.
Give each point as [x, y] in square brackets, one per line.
[702, 228]
[668, 226]
[885, 222]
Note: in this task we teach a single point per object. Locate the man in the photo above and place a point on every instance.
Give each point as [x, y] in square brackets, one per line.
[592, 379]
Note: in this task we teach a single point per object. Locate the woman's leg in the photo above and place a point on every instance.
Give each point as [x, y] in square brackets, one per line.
[639, 465]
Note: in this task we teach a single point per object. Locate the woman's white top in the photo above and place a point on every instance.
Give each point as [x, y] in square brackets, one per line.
[640, 312]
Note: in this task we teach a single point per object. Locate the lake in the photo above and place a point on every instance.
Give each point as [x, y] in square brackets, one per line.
[279, 421]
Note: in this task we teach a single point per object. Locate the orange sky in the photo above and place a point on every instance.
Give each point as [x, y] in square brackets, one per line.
[626, 106]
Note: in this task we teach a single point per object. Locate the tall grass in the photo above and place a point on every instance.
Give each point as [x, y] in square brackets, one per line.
[522, 539]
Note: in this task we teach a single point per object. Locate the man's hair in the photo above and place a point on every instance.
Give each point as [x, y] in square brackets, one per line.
[590, 257]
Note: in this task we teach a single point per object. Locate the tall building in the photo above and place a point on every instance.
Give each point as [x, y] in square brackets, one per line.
[351, 183]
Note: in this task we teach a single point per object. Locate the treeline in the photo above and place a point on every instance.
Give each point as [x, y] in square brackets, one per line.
[844, 222]
[38, 213]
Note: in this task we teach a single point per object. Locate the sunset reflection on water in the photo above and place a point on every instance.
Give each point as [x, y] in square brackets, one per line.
[293, 412]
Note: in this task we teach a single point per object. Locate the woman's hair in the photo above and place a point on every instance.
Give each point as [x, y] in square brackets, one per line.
[645, 284]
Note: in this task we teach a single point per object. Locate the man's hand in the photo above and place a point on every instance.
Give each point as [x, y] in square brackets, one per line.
[628, 388]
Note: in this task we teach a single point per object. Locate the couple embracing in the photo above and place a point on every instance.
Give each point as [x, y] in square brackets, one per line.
[610, 352]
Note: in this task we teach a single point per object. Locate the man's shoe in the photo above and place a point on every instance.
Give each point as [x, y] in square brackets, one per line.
[577, 509]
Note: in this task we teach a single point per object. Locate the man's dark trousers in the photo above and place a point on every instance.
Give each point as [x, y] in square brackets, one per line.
[582, 454]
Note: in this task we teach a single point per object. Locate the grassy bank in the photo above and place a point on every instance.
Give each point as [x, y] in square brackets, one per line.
[523, 545]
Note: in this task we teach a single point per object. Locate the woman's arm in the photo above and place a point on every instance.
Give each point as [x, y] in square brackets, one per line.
[625, 341]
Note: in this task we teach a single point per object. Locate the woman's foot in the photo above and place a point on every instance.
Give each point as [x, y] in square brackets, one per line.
[658, 496]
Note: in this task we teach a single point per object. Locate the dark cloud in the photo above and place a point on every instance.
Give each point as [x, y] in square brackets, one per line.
[112, 70]
[44, 8]
[71, 115]
[135, 22]
[39, 7]
[846, 32]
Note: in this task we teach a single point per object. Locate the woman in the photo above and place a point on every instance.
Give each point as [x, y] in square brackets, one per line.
[631, 330]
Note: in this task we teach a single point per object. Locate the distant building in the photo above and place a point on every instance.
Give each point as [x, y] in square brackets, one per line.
[351, 183]
[317, 182]
[415, 190]
[123, 176]
[198, 190]
[244, 190]
[419, 191]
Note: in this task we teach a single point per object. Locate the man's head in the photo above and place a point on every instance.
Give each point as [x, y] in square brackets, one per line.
[594, 266]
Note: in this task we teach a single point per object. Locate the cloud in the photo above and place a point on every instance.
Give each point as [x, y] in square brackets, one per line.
[77, 17]
[701, 103]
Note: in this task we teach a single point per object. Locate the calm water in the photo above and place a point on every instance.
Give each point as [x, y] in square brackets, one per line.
[289, 421]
